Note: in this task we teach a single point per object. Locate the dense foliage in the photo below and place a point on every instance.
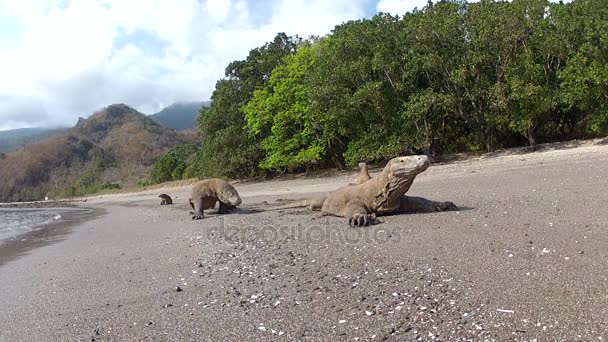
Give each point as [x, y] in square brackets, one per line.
[172, 166]
[451, 77]
[227, 148]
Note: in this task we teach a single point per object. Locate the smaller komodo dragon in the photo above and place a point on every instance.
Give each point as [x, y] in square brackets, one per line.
[209, 191]
[383, 195]
[165, 199]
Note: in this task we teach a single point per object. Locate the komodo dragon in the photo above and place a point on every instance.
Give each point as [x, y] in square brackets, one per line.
[209, 191]
[383, 195]
[165, 199]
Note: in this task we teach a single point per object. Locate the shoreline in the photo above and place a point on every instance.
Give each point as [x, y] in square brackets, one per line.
[45, 233]
[524, 259]
[64, 203]
[561, 148]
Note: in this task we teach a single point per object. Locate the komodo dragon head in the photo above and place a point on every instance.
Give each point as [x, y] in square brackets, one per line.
[406, 167]
[229, 195]
[397, 177]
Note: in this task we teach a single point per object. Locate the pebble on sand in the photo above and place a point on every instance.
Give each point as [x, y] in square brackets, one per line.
[505, 311]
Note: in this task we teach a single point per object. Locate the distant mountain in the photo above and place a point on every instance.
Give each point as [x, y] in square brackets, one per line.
[115, 146]
[11, 140]
[180, 116]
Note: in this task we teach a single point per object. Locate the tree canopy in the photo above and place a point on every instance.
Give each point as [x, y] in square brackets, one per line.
[450, 77]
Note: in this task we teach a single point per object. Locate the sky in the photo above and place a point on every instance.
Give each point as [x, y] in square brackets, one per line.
[61, 59]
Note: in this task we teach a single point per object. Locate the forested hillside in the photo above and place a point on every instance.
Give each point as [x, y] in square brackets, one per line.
[453, 76]
[180, 116]
[112, 148]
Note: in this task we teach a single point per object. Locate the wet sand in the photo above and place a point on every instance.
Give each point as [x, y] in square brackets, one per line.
[44, 234]
[525, 258]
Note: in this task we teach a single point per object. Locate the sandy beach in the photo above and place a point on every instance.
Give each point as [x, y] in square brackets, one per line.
[524, 258]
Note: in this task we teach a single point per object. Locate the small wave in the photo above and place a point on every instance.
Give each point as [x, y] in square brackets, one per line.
[14, 222]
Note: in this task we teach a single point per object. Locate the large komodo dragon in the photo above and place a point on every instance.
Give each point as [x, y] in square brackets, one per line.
[209, 191]
[383, 195]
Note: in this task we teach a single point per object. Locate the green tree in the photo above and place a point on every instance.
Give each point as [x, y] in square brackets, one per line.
[227, 148]
[584, 81]
[491, 34]
[530, 78]
[162, 170]
[450, 77]
[282, 115]
[172, 166]
[355, 85]
[436, 105]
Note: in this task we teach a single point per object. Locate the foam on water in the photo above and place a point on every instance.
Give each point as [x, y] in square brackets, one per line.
[15, 222]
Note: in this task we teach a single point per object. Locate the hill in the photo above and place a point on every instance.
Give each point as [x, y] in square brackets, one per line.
[180, 116]
[10, 140]
[113, 147]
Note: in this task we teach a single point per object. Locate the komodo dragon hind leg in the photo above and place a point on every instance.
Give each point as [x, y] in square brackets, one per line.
[358, 216]
[415, 204]
[198, 208]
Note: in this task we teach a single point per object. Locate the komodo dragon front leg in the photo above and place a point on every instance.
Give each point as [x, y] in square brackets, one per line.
[414, 204]
[201, 203]
[359, 215]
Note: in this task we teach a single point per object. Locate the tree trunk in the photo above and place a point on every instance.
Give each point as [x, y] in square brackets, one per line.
[531, 135]
[489, 140]
[562, 130]
[338, 161]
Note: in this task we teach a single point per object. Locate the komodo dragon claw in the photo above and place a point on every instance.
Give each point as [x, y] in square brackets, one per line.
[362, 220]
[446, 206]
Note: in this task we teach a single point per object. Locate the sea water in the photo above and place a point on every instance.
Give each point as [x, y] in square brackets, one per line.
[15, 222]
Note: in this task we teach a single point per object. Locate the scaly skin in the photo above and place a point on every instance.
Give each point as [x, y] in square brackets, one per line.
[383, 195]
[316, 204]
[209, 191]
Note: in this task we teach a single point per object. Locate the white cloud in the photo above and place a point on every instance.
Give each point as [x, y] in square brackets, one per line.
[218, 9]
[66, 64]
[399, 7]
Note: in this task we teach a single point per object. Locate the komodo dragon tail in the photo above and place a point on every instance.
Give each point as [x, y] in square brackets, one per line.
[314, 204]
